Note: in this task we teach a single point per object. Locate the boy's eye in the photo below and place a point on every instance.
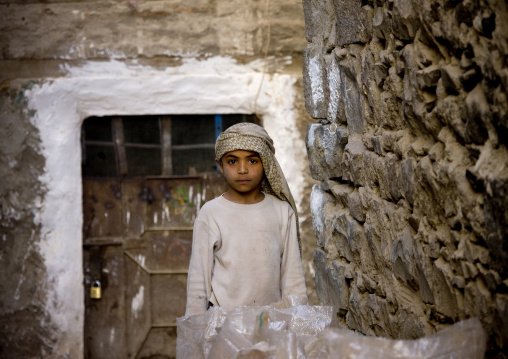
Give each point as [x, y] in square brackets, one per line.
[252, 160]
[231, 162]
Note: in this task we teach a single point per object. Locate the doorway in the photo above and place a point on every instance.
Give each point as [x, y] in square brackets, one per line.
[144, 180]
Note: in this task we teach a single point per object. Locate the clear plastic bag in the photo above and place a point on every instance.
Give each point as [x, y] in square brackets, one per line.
[196, 333]
[274, 331]
[237, 334]
[465, 340]
[311, 332]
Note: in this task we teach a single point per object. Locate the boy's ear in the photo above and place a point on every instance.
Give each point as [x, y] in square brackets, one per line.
[219, 163]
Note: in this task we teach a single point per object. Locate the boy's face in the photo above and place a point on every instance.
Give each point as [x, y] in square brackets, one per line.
[243, 171]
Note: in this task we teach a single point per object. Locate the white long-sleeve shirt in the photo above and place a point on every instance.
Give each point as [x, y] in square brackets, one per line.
[244, 254]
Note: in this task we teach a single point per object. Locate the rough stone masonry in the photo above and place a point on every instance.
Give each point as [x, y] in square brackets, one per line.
[410, 145]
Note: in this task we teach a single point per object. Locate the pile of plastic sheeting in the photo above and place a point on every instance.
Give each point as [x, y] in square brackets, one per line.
[311, 332]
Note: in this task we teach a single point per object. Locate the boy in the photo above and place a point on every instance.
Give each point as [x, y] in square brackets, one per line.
[245, 248]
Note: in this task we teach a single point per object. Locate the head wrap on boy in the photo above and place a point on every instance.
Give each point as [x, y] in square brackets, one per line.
[250, 137]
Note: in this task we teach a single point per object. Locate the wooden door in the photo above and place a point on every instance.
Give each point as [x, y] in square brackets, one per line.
[137, 244]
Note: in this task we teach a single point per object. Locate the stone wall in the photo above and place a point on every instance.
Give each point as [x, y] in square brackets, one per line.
[98, 29]
[21, 195]
[410, 148]
[61, 61]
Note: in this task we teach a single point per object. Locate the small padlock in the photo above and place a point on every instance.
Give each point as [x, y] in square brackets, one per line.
[95, 290]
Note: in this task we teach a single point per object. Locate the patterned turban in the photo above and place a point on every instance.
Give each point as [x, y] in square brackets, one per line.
[250, 137]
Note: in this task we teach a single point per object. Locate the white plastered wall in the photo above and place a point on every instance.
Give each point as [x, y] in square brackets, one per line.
[215, 85]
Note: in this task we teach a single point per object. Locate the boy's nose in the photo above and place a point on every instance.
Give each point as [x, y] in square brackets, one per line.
[242, 168]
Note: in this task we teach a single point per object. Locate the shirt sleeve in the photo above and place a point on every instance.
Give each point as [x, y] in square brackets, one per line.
[200, 269]
[292, 279]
